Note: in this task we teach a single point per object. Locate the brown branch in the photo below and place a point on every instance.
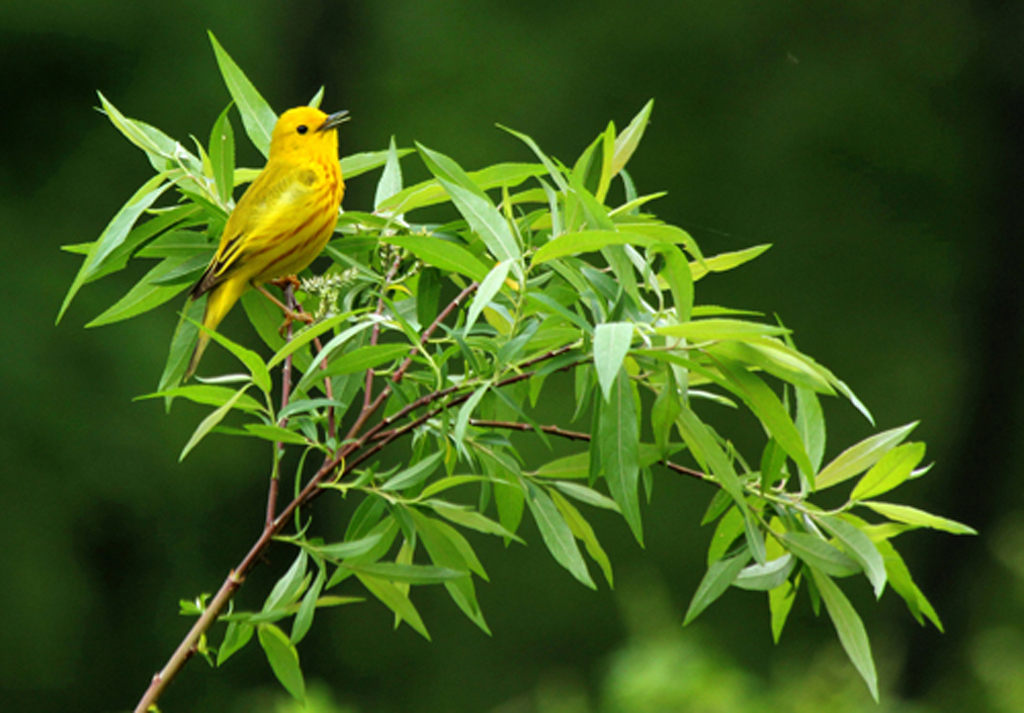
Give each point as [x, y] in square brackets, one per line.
[272, 527]
[286, 390]
[375, 333]
[578, 436]
[354, 443]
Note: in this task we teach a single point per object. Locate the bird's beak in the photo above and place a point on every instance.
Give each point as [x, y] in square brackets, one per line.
[333, 121]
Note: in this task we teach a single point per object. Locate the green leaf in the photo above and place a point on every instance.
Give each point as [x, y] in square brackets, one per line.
[304, 616]
[557, 308]
[396, 600]
[306, 336]
[431, 192]
[359, 163]
[780, 602]
[284, 660]
[701, 330]
[588, 241]
[766, 577]
[707, 452]
[237, 635]
[442, 254]
[717, 579]
[158, 146]
[363, 358]
[408, 573]
[628, 139]
[114, 235]
[611, 344]
[918, 518]
[725, 261]
[289, 585]
[557, 534]
[850, 629]
[858, 458]
[677, 274]
[554, 171]
[144, 296]
[820, 554]
[207, 395]
[414, 474]
[490, 287]
[339, 365]
[352, 548]
[468, 517]
[810, 422]
[582, 530]
[889, 472]
[252, 361]
[729, 527]
[768, 409]
[277, 434]
[576, 465]
[778, 360]
[619, 448]
[257, 116]
[222, 156]
[860, 547]
[586, 495]
[208, 423]
[391, 179]
[452, 481]
[449, 549]
[903, 583]
[474, 205]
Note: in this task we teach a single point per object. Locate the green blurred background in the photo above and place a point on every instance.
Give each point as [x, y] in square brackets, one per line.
[877, 145]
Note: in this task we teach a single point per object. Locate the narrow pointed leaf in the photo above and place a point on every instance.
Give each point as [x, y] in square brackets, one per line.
[391, 179]
[222, 156]
[208, 423]
[918, 518]
[490, 287]
[889, 472]
[858, 458]
[717, 579]
[628, 139]
[850, 629]
[114, 235]
[820, 554]
[556, 533]
[442, 254]
[611, 344]
[861, 548]
[396, 600]
[619, 448]
[283, 659]
[257, 116]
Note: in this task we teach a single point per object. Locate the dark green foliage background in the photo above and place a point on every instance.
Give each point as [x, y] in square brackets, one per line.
[877, 145]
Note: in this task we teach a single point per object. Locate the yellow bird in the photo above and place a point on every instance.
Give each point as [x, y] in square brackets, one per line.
[283, 220]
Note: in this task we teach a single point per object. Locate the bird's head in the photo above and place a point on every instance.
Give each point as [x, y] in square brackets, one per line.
[306, 130]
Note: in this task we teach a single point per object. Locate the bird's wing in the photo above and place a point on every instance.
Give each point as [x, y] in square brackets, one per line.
[278, 191]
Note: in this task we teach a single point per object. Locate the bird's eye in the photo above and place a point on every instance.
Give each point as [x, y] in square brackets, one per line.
[302, 128]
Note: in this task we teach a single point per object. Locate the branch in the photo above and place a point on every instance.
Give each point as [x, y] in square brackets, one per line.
[578, 436]
[274, 525]
[354, 443]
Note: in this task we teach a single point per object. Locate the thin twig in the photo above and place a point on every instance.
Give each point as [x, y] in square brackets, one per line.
[375, 333]
[286, 389]
[273, 526]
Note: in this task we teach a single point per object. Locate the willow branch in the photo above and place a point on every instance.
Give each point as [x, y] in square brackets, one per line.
[579, 436]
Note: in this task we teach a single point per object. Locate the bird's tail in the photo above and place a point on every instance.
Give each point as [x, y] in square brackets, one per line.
[219, 302]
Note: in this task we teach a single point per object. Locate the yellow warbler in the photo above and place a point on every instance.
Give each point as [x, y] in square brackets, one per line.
[283, 220]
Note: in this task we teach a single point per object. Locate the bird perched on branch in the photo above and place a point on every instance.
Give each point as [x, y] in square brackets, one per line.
[283, 220]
